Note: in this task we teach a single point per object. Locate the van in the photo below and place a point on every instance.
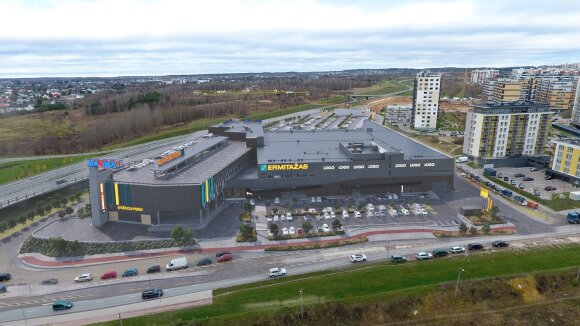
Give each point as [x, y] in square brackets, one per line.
[462, 159]
[177, 263]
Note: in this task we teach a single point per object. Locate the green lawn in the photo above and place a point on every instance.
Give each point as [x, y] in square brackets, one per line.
[364, 283]
[385, 87]
[23, 169]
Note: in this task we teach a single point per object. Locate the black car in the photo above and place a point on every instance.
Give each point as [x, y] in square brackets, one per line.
[519, 175]
[154, 269]
[475, 246]
[440, 253]
[204, 261]
[398, 259]
[152, 293]
[59, 182]
[219, 254]
[50, 281]
[489, 184]
[528, 179]
[549, 188]
[5, 277]
[500, 244]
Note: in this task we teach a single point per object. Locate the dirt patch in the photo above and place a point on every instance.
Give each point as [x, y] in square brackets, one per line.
[379, 104]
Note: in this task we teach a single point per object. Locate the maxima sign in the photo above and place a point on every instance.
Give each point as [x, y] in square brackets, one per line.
[105, 163]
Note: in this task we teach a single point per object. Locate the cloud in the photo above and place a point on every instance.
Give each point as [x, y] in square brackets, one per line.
[142, 37]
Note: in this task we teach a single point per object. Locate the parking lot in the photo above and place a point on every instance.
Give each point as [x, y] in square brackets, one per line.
[534, 181]
[319, 121]
[367, 211]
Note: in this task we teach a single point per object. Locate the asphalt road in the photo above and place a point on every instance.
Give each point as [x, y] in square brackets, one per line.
[246, 268]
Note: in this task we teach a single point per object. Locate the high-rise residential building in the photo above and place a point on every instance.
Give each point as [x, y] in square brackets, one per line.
[507, 130]
[487, 91]
[506, 90]
[426, 101]
[575, 121]
[557, 91]
[479, 76]
[566, 160]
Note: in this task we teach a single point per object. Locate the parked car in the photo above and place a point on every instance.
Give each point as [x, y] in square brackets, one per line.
[537, 192]
[318, 199]
[423, 255]
[522, 185]
[440, 253]
[521, 200]
[61, 305]
[398, 259]
[513, 182]
[285, 231]
[5, 277]
[221, 253]
[84, 277]
[154, 269]
[528, 179]
[357, 214]
[130, 272]
[358, 258]
[344, 214]
[549, 188]
[292, 230]
[49, 281]
[325, 228]
[500, 244]
[225, 258]
[151, 294]
[457, 249]
[549, 177]
[475, 246]
[289, 217]
[519, 175]
[3, 289]
[108, 275]
[533, 169]
[276, 272]
[205, 261]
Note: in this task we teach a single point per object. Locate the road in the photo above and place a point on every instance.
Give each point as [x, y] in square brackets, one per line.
[246, 268]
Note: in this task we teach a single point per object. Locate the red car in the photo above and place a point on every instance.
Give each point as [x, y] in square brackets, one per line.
[224, 258]
[107, 275]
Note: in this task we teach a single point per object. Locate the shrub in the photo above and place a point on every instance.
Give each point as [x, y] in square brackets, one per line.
[22, 219]
[12, 223]
[462, 228]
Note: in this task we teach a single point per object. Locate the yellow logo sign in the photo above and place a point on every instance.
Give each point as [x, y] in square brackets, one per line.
[130, 208]
[483, 193]
[287, 167]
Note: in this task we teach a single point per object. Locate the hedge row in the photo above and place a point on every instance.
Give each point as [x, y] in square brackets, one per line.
[319, 245]
[58, 247]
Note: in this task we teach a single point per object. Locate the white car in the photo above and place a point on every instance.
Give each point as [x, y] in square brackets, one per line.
[382, 208]
[332, 215]
[325, 228]
[276, 218]
[326, 216]
[291, 230]
[282, 217]
[457, 249]
[277, 201]
[356, 258]
[370, 214]
[276, 272]
[318, 200]
[269, 219]
[370, 207]
[312, 210]
[405, 211]
[393, 212]
[84, 277]
[423, 255]
[285, 231]
[252, 202]
[289, 217]
[345, 214]
[395, 196]
[357, 214]
[313, 200]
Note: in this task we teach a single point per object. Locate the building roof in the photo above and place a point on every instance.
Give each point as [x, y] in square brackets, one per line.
[511, 107]
[195, 174]
[324, 145]
[573, 142]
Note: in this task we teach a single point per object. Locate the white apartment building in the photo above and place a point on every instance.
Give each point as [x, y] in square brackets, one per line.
[426, 101]
[479, 76]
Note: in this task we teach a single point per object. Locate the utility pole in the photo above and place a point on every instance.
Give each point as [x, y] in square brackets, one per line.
[458, 276]
[302, 304]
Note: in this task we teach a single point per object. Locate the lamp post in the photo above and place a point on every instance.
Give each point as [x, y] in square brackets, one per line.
[301, 305]
[458, 276]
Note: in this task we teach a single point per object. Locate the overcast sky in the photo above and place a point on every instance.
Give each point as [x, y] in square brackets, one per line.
[153, 37]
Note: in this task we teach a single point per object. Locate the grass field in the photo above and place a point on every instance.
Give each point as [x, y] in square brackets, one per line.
[23, 169]
[364, 284]
[385, 87]
[453, 121]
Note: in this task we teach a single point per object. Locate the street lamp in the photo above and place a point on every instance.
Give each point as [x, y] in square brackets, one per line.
[301, 305]
[458, 276]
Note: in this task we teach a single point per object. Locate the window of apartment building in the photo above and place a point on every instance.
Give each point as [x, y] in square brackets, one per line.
[570, 150]
[566, 170]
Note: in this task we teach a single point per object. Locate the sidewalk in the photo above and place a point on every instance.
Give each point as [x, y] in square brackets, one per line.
[41, 261]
